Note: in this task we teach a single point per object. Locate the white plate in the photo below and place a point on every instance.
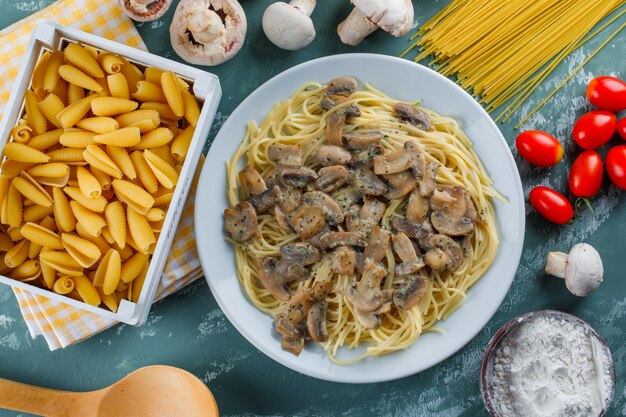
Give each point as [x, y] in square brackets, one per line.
[401, 80]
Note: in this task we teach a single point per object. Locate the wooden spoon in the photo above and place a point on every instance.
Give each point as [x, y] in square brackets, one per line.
[153, 391]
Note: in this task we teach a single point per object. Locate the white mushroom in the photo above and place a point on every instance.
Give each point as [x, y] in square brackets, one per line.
[393, 16]
[581, 268]
[289, 26]
[208, 32]
[145, 10]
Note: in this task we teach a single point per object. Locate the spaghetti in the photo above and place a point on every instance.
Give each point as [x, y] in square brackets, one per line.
[300, 120]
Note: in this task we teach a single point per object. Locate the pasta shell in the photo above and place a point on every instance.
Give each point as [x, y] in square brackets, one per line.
[105, 87]
[21, 133]
[144, 173]
[145, 126]
[70, 156]
[35, 213]
[73, 113]
[112, 64]
[36, 119]
[74, 93]
[155, 215]
[125, 137]
[61, 92]
[48, 275]
[5, 242]
[75, 76]
[63, 285]
[108, 272]
[118, 86]
[4, 187]
[24, 153]
[41, 236]
[61, 261]
[17, 254]
[180, 145]
[103, 179]
[88, 184]
[52, 169]
[45, 140]
[15, 234]
[99, 241]
[140, 230]
[138, 115]
[40, 70]
[77, 139]
[133, 195]
[132, 73]
[27, 271]
[50, 107]
[132, 267]
[89, 220]
[192, 110]
[164, 172]
[86, 290]
[137, 284]
[99, 124]
[165, 113]
[30, 189]
[165, 153]
[146, 91]
[12, 169]
[111, 106]
[107, 235]
[153, 75]
[97, 158]
[121, 158]
[116, 222]
[158, 137]
[52, 76]
[171, 90]
[96, 204]
[83, 251]
[109, 300]
[81, 59]
[53, 181]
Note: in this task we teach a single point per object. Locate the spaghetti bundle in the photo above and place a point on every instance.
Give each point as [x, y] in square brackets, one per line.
[500, 50]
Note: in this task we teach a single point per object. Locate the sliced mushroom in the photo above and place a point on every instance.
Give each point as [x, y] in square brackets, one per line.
[332, 211]
[316, 238]
[393, 162]
[445, 254]
[208, 32]
[418, 167]
[300, 252]
[403, 246]
[400, 184]
[412, 230]
[367, 182]
[285, 155]
[276, 273]
[316, 322]
[348, 198]
[272, 177]
[453, 212]
[334, 128]
[342, 86]
[241, 221]
[266, 200]
[428, 184]
[359, 140]
[411, 291]
[333, 240]
[377, 244]
[413, 115]
[373, 210]
[332, 155]
[290, 198]
[344, 260]
[366, 157]
[308, 220]
[366, 296]
[331, 178]
[252, 180]
[293, 344]
[297, 177]
[330, 102]
[417, 208]
[282, 219]
[145, 10]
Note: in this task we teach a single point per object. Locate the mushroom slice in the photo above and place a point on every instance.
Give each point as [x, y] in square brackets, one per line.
[344, 260]
[347, 198]
[332, 211]
[301, 253]
[367, 182]
[240, 221]
[252, 180]
[412, 230]
[266, 200]
[377, 244]
[401, 184]
[282, 219]
[446, 254]
[418, 167]
[208, 32]
[145, 10]
[359, 140]
[428, 184]
[285, 155]
[330, 102]
[272, 177]
[289, 319]
[331, 178]
[316, 322]
[366, 297]
[413, 116]
[393, 162]
[333, 240]
[297, 177]
[290, 198]
[308, 220]
[406, 251]
[366, 156]
[411, 291]
[276, 273]
[316, 238]
[293, 344]
[417, 208]
[453, 212]
[334, 128]
[342, 86]
[373, 210]
[332, 155]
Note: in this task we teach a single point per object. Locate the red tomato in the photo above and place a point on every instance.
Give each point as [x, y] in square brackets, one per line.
[621, 128]
[539, 148]
[607, 93]
[585, 177]
[551, 204]
[616, 166]
[594, 129]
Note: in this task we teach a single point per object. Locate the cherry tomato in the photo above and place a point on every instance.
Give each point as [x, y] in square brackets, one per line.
[616, 166]
[585, 176]
[607, 93]
[539, 148]
[621, 128]
[594, 129]
[551, 204]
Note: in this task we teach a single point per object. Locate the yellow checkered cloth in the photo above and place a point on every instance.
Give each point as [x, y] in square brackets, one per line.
[60, 324]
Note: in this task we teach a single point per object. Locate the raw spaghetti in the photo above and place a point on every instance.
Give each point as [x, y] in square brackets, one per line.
[299, 120]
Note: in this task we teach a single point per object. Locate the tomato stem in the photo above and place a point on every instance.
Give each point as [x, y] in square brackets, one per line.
[584, 200]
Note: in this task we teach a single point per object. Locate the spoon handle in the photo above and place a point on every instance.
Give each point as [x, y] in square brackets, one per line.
[41, 401]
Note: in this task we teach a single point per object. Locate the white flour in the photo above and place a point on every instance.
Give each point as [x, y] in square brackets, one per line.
[550, 367]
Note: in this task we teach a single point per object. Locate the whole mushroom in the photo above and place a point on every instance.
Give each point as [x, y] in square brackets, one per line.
[289, 26]
[581, 268]
[393, 16]
[208, 32]
[145, 10]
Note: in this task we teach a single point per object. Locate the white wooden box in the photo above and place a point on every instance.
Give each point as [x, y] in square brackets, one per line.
[206, 88]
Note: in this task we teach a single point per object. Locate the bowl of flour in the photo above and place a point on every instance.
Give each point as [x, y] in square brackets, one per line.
[547, 364]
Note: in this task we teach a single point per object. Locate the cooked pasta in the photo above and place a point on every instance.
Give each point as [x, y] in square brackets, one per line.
[298, 128]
